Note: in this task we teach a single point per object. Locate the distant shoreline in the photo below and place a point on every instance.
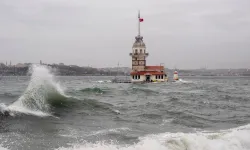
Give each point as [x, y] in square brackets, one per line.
[124, 76]
[73, 70]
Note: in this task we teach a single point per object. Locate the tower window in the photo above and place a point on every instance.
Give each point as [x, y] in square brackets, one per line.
[136, 51]
[140, 50]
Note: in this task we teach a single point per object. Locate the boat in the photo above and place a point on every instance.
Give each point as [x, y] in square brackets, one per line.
[141, 72]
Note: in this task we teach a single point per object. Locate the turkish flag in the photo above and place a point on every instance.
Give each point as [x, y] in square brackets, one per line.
[141, 19]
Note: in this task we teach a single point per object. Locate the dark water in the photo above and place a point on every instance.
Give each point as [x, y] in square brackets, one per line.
[197, 113]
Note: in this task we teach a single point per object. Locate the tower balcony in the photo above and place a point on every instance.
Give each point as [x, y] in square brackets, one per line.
[138, 54]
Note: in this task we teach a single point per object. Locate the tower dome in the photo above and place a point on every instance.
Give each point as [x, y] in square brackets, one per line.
[139, 42]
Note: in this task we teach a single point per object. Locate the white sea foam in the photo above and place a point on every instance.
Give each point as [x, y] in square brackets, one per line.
[232, 139]
[103, 81]
[34, 101]
[2, 148]
[184, 81]
[116, 130]
[165, 121]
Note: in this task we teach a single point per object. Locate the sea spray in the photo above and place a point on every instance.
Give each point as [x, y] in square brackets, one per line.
[232, 139]
[40, 93]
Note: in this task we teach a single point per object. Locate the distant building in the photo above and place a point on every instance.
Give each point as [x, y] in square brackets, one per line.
[20, 65]
[73, 66]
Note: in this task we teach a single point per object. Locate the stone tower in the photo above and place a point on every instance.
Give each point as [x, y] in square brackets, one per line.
[139, 51]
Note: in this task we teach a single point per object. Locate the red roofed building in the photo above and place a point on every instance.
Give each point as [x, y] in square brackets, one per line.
[154, 68]
[140, 72]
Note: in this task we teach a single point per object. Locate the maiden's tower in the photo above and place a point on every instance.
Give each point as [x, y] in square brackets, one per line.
[141, 72]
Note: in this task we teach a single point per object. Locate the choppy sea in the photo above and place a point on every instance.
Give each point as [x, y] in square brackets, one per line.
[47, 112]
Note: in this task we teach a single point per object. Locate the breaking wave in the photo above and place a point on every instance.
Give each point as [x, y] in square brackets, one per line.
[185, 81]
[232, 139]
[42, 93]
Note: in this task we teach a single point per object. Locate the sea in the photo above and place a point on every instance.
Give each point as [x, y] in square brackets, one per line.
[47, 112]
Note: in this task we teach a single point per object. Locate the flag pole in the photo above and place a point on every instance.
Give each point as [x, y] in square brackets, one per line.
[139, 32]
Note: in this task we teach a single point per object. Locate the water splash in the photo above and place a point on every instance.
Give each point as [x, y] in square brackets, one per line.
[41, 92]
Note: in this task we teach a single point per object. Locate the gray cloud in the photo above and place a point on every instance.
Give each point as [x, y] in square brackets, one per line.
[181, 33]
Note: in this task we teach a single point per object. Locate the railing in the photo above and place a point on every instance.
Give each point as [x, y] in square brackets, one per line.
[138, 54]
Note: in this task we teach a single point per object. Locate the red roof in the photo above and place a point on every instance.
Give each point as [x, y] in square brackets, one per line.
[147, 73]
[153, 68]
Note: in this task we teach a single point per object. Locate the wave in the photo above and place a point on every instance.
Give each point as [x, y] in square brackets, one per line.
[236, 139]
[7, 95]
[15, 110]
[40, 96]
[138, 90]
[183, 81]
[106, 131]
[95, 90]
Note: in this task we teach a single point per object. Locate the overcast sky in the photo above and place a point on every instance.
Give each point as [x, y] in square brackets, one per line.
[100, 33]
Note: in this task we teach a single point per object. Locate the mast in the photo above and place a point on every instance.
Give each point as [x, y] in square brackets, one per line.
[139, 30]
